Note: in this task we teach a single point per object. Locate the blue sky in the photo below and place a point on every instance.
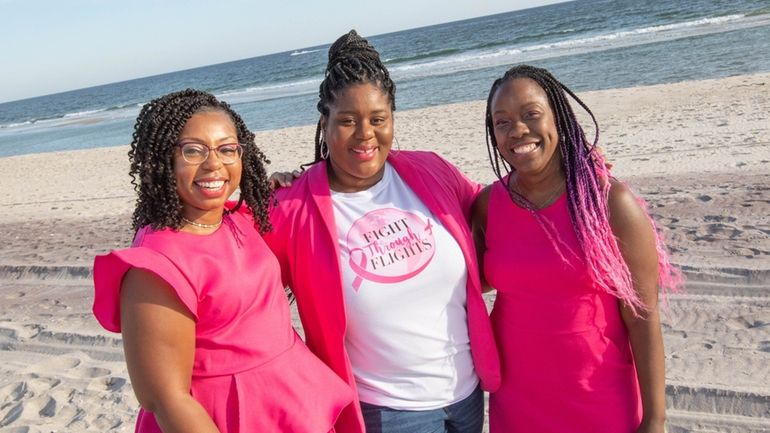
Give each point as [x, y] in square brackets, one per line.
[51, 46]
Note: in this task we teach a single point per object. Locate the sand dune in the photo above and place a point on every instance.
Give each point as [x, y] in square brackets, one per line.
[698, 152]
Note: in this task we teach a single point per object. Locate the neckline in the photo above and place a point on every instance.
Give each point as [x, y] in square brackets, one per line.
[504, 183]
[225, 221]
[367, 193]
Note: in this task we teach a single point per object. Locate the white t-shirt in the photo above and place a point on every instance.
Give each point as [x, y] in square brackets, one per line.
[404, 277]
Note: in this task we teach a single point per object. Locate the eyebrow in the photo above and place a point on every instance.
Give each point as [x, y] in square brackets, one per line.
[200, 141]
[383, 111]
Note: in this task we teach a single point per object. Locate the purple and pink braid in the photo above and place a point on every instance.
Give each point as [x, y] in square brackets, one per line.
[588, 186]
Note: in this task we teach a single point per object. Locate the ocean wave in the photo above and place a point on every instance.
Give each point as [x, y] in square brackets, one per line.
[115, 112]
[271, 91]
[421, 56]
[83, 113]
[301, 52]
[514, 53]
[759, 12]
[14, 125]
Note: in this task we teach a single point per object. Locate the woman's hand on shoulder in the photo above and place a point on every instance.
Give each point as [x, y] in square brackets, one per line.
[283, 179]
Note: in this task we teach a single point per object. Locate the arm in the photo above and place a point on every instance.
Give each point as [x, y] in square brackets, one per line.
[636, 240]
[159, 343]
[479, 229]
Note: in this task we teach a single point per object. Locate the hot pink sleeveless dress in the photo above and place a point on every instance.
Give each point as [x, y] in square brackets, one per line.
[251, 371]
[566, 360]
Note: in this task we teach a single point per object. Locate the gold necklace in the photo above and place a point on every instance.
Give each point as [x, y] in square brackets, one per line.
[203, 226]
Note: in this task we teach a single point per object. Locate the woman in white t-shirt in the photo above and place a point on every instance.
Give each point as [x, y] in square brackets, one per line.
[375, 245]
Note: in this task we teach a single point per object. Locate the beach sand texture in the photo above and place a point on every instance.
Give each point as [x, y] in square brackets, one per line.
[698, 152]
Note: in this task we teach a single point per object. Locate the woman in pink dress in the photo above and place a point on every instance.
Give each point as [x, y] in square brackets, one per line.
[198, 297]
[577, 266]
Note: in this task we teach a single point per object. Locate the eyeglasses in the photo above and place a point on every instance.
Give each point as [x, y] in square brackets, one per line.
[196, 153]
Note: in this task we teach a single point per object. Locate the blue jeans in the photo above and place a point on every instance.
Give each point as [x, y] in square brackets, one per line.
[465, 416]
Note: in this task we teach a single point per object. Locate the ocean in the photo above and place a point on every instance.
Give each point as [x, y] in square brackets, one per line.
[587, 44]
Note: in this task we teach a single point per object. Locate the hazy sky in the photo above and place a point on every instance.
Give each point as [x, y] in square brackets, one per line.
[50, 46]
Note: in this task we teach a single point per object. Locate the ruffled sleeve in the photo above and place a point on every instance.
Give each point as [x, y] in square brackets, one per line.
[109, 270]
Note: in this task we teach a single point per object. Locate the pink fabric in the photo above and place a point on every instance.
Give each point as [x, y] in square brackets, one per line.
[566, 359]
[251, 371]
[305, 242]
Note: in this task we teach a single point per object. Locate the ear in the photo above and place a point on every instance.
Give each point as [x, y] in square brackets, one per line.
[322, 120]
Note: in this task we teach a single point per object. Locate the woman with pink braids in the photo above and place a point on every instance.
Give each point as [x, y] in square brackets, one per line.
[577, 266]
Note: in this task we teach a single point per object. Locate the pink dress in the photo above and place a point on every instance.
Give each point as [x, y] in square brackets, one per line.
[251, 372]
[566, 358]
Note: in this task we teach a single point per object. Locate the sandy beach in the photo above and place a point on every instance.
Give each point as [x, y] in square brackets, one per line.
[698, 152]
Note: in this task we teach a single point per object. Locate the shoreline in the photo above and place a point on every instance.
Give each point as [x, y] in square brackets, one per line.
[697, 151]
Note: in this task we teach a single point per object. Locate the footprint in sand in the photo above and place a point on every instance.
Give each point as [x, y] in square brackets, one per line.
[17, 391]
[748, 253]
[747, 322]
[719, 218]
[713, 231]
[53, 364]
[92, 372]
[764, 346]
[704, 198]
[43, 406]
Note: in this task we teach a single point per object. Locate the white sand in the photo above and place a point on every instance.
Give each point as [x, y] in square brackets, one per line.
[699, 152]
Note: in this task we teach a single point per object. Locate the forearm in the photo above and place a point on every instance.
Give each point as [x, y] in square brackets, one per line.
[182, 414]
[647, 345]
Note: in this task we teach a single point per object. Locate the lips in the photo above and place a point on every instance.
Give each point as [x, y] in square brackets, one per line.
[524, 148]
[211, 188]
[364, 153]
[214, 184]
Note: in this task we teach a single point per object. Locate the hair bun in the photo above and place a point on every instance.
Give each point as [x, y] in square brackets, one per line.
[351, 46]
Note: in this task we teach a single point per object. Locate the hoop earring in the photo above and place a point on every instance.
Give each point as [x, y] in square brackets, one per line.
[323, 147]
[398, 146]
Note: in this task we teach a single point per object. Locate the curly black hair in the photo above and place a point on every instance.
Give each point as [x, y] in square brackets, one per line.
[352, 60]
[155, 136]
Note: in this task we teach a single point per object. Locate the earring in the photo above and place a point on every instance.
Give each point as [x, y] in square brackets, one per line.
[398, 146]
[323, 148]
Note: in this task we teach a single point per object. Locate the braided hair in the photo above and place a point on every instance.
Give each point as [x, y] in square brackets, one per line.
[151, 155]
[352, 60]
[588, 186]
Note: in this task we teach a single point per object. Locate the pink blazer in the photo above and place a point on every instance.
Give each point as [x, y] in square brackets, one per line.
[306, 243]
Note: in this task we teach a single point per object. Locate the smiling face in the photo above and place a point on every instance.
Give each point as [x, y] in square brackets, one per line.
[359, 133]
[204, 188]
[525, 128]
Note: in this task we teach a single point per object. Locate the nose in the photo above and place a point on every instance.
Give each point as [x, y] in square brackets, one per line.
[519, 129]
[212, 162]
[365, 131]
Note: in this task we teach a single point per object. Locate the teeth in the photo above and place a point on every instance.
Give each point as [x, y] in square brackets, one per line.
[211, 185]
[364, 150]
[525, 148]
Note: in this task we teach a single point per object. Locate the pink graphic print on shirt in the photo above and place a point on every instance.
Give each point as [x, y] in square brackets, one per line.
[389, 246]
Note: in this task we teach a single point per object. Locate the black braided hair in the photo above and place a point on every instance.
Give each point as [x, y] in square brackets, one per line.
[587, 182]
[155, 136]
[352, 60]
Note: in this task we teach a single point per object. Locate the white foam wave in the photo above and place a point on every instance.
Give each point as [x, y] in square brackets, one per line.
[15, 125]
[84, 113]
[301, 52]
[271, 91]
[513, 54]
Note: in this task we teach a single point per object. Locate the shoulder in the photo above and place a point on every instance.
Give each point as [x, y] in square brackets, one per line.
[417, 157]
[425, 163]
[481, 205]
[625, 213]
